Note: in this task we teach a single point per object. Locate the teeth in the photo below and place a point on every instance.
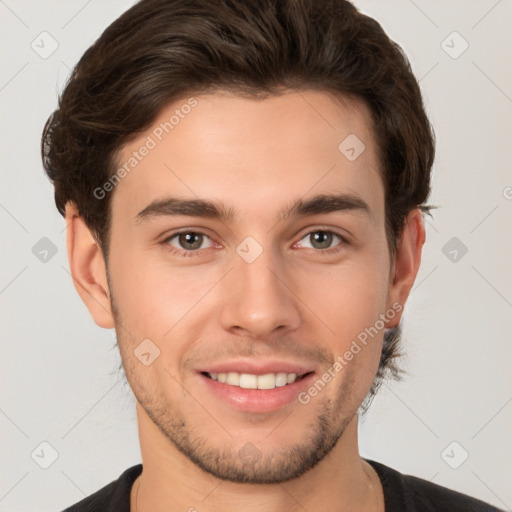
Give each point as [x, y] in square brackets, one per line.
[250, 381]
[282, 379]
[233, 379]
[267, 381]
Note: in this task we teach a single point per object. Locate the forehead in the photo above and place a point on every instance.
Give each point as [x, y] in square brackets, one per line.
[253, 154]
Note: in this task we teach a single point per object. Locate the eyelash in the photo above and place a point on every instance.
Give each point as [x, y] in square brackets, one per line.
[198, 252]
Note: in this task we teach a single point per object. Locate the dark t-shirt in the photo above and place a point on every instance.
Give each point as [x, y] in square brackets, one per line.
[402, 493]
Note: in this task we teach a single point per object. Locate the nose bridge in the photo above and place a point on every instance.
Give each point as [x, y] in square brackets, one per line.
[258, 301]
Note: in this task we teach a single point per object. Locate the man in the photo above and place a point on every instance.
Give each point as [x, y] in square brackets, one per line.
[244, 183]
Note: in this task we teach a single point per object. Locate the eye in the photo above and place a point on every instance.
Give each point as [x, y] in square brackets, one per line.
[187, 242]
[321, 239]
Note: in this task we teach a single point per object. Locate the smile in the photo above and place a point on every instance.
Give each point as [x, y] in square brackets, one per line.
[252, 381]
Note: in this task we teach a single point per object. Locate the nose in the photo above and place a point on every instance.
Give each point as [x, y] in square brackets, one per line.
[258, 298]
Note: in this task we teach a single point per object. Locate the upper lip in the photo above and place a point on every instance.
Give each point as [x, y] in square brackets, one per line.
[258, 367]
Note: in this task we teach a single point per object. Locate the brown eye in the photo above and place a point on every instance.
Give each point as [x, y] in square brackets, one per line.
[321, 239]
[188, 242]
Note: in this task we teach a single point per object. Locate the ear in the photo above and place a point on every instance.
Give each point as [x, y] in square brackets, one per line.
[88, 268]
[406, 262]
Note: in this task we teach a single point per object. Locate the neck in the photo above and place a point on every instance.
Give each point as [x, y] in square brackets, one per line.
[170, 481]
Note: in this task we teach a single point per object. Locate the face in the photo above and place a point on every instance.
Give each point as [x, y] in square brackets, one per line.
[247, 302]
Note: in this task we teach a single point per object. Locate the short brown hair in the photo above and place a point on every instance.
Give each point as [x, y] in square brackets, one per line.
[161, 50]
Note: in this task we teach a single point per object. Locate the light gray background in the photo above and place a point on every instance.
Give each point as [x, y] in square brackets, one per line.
[59, 378]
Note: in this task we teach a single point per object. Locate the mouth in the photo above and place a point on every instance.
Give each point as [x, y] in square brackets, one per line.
[252, 381]
[263, 391]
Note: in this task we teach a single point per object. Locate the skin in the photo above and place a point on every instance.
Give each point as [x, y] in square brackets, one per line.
[291, 303]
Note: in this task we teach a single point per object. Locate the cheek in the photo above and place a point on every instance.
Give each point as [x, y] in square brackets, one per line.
[156, 300]
[346, 299]
[347, 303]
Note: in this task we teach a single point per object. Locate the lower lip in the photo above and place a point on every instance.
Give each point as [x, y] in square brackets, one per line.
[257, 400]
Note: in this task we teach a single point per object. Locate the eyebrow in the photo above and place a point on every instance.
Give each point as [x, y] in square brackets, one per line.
[325, 203]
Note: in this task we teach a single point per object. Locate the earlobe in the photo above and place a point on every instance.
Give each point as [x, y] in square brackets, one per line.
[88, 268]
[406, 263]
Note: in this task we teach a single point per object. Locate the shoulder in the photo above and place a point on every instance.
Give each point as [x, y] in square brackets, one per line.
[114, 497]
[413, 494]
